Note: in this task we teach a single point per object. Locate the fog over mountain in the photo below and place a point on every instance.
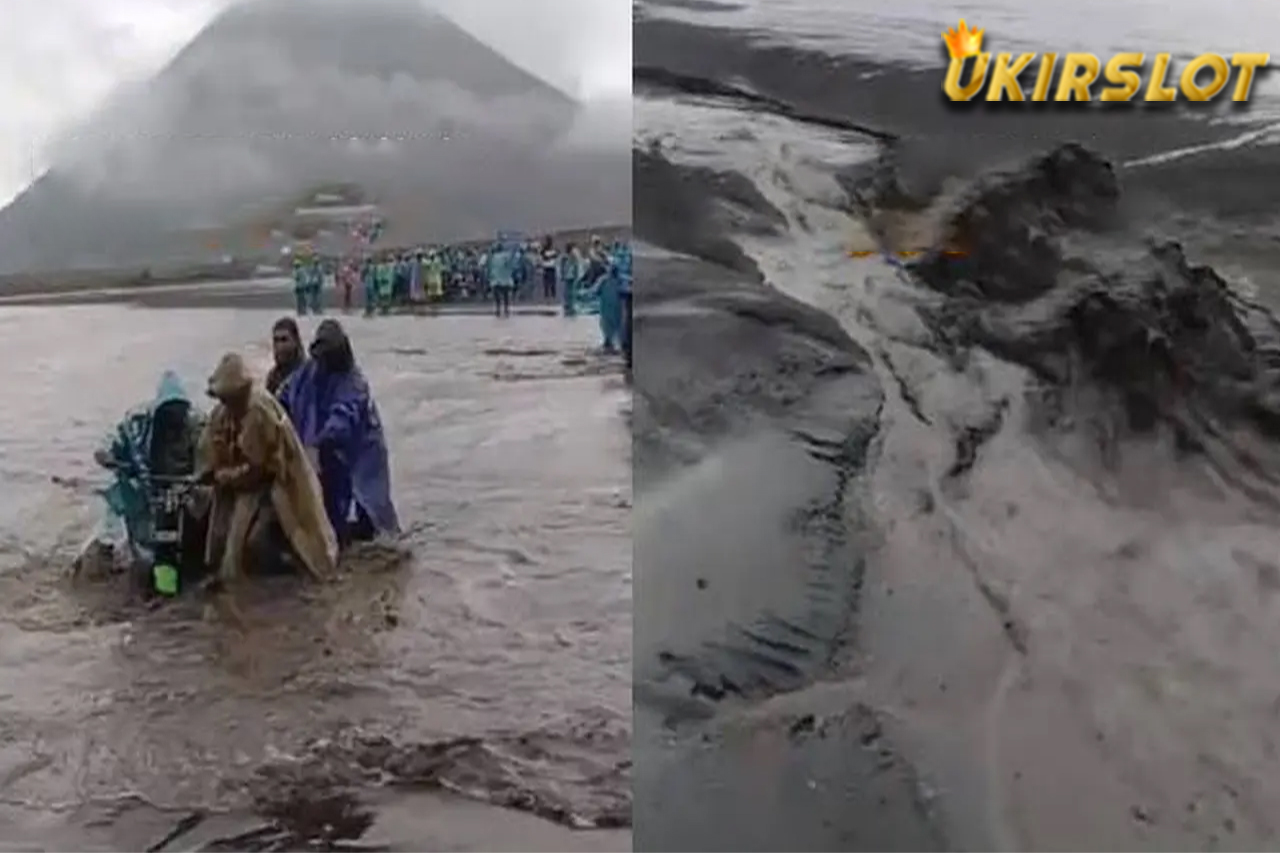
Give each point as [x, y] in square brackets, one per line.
[275, 97]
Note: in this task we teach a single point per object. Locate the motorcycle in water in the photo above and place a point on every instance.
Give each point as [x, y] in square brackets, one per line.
[178, 531]
[161, 548]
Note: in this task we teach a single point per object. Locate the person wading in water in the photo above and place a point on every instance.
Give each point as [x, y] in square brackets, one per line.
[268, 510]
[286, 347]
[331, 405]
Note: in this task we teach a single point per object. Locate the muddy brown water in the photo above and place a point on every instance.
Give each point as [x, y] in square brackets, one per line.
[503, 616]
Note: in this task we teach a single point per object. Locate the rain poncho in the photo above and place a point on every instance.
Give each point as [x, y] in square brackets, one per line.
[610, 295]
[128, 447]
[621, 261]
[622, 269]
[501, 266]
[415, 279]
[336, 413]
[308, 282]
[570, 276]
[369, 279]
[386, 282]
[434, 274]
[263, 439]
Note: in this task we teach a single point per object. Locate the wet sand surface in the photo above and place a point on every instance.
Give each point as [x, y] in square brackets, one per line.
[1003, 637]
[488, 654]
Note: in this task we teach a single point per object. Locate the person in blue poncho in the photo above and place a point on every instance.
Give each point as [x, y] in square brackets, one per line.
[333, 411]
[159, 437]
[572, 268]
[369, 281]
[301, 281]
[609, 291]
[504, 257]
[622, 268]
[315, 285]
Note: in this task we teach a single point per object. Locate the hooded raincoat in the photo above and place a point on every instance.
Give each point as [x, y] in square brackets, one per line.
[263, 441]
[610, 294]
[336, 414]
[501, 267]
[128, 447]
[570, 274]
[434, 274]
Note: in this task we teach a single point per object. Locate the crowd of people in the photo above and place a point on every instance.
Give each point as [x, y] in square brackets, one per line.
[591, 279]
[294, 469]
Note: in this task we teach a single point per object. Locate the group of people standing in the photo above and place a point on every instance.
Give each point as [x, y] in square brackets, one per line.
[294, 470]
[331, 407]
[595, 279]
[304, 455]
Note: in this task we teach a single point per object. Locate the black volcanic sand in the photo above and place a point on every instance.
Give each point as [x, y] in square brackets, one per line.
[937, 139]
[752, 411]
[753, 415]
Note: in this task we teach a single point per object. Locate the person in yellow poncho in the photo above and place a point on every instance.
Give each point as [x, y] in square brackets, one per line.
[433, 273]
[268, 509]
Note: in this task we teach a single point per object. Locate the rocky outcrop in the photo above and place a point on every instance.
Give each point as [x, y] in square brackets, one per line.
[691, 210]
[1002, 239]
[727, 355]
[1051, 279]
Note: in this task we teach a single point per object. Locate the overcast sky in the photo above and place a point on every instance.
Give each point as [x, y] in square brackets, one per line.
[60, 58]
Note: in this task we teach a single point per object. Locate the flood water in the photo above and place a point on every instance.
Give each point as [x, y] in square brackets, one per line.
[510, 620]
[1077, 653]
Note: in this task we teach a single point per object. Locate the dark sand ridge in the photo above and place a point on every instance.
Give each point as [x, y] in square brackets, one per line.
[743, 761]
[938, 140]
[751, 409]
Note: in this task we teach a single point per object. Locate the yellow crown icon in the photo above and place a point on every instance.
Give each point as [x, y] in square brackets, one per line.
[963, 42]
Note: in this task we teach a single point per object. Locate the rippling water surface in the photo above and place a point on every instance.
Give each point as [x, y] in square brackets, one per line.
[511, 460]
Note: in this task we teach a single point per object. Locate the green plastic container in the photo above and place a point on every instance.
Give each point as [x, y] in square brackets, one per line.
[166, 579]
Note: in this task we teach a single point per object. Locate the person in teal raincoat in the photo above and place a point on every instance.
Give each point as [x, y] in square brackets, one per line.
[622, 269]
[610, 295]
[157, 437]
[369, 281]
[385, 284]
[572, 267]
[504, 259]
[301, 280]
[315, 285]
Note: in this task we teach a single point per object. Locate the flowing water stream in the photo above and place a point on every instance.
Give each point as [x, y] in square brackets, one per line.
[1074, 655]
[504, 615]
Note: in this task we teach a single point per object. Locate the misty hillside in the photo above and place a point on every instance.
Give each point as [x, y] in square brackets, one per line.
[275, 97]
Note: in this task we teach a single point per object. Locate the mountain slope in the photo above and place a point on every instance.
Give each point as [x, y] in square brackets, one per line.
[277, 96]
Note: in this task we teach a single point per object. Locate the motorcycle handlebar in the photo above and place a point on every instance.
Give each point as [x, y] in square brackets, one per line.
[175, 480]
